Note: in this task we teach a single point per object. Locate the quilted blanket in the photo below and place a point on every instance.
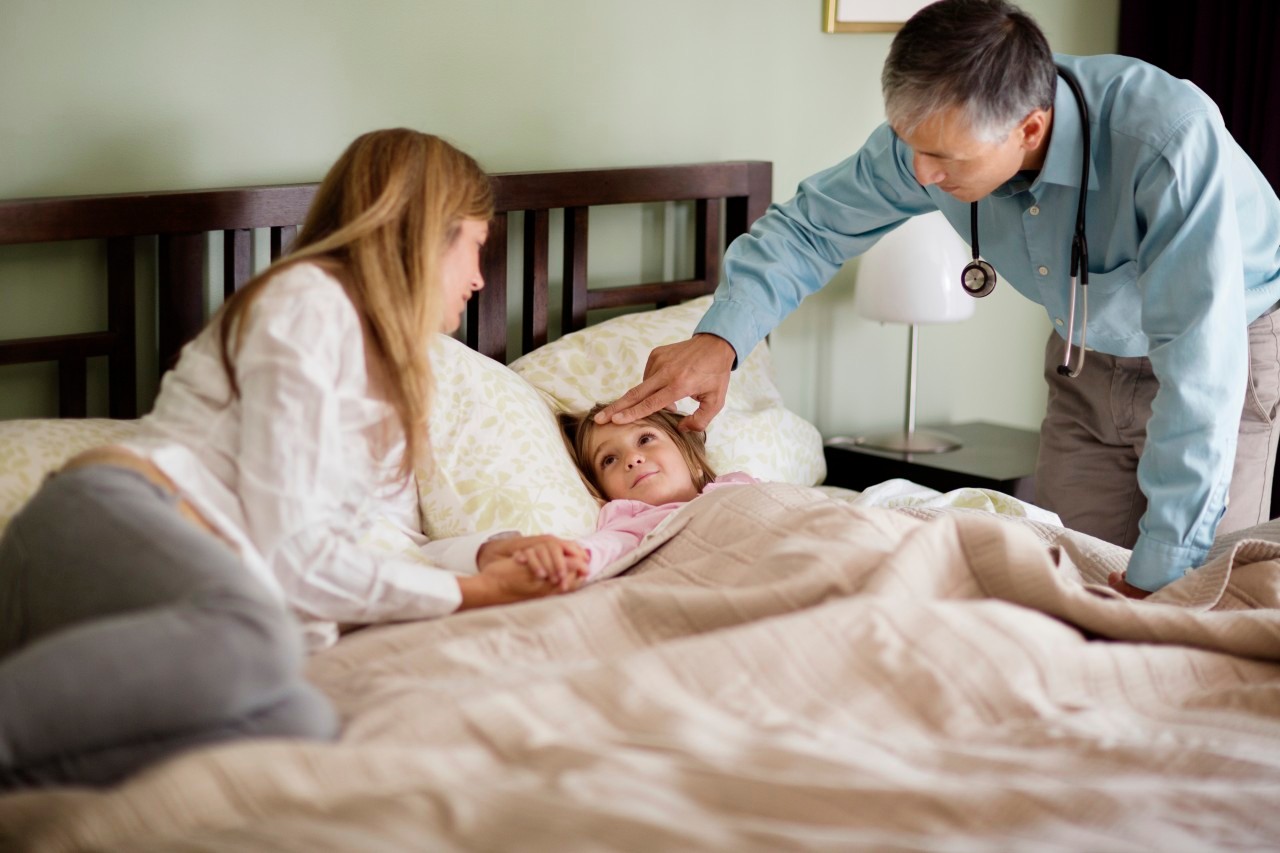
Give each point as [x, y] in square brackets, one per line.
[783, 670]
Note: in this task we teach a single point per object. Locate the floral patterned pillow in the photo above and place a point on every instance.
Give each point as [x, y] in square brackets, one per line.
[30, 449]
[499, 460]
[754, 433]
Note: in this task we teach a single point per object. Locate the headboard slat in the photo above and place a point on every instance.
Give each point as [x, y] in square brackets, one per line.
[281, 239]
[487, 317]
[706, 259]
[122, 377]
[180, 300]
[237, 259]
[72, 386]
[574, 315]
[536, 288]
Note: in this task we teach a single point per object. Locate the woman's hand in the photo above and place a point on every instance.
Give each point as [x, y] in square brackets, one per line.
[505, 581]
[1117, 582]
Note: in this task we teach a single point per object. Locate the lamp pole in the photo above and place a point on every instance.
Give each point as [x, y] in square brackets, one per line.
[910, 440]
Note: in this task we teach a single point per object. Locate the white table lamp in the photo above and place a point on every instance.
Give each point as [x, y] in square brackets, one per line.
[912, 276]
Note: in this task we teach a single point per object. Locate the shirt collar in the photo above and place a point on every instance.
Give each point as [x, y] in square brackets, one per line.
[1062, 160]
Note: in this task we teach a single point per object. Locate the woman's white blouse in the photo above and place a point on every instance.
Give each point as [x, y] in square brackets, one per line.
[297, 468]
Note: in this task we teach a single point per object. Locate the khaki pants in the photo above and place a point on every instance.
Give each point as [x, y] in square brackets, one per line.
[1095, 428]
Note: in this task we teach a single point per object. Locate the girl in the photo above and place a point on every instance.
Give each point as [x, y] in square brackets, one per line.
[646, 470]
[291, 420]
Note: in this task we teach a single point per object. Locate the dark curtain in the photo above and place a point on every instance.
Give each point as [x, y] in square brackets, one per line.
[1226, 47]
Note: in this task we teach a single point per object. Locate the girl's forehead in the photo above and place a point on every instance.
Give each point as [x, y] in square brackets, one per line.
[610, 433]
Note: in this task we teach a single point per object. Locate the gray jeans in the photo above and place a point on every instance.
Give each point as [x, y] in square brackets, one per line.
[128, 634]
[1096, 427]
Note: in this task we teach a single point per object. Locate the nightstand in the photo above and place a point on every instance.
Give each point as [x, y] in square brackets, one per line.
[992, 457]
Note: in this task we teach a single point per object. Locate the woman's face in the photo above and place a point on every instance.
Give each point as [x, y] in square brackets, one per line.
[460, 271]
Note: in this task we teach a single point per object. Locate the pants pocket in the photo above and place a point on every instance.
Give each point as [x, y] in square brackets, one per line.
[1262, 395]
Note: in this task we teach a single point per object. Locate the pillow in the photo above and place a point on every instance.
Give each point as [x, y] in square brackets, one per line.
[754, 432]
[30, 449]
[499, 459]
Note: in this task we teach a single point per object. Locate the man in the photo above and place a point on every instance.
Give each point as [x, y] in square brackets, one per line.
[1168, 428]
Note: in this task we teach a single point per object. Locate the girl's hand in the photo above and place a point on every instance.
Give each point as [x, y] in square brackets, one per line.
[554, 562]
[498, 549]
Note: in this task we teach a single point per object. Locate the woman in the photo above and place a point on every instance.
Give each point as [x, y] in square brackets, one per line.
[143, 589]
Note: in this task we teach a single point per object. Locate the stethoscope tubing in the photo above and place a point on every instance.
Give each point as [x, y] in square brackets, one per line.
[979, 278]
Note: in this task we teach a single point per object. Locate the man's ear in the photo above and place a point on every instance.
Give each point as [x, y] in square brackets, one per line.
[1034, 129]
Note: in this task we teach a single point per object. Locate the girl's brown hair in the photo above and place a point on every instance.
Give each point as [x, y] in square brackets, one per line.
[578, 429]
[380, 223]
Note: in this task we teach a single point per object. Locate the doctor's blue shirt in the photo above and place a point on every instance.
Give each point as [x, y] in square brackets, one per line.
[1183, 234]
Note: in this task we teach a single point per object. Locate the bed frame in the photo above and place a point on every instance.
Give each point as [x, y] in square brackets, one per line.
[728, 197]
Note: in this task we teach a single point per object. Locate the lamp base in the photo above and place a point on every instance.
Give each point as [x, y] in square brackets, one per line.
[916, 441]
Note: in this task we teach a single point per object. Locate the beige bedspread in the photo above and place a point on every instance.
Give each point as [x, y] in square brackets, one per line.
[787, 672]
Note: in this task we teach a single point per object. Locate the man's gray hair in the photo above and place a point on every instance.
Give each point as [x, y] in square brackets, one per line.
[986, 57]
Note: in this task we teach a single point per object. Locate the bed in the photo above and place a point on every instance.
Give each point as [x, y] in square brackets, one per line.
[779, 667]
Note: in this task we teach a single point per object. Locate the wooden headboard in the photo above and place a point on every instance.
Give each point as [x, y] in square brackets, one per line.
[728, 197]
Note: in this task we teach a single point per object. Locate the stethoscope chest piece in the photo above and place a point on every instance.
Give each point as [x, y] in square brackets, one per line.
[978, 278]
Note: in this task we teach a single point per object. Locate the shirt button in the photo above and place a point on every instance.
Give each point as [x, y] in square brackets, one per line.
[1034, 210]
[1058, 321]
[1043, 270]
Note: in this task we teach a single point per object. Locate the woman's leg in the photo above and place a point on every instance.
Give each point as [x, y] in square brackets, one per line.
[303, 712]
[135, 635]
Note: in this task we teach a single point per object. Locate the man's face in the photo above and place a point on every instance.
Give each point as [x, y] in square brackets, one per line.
[947, 153]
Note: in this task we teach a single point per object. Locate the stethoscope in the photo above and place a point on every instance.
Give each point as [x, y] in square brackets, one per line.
[979, 277]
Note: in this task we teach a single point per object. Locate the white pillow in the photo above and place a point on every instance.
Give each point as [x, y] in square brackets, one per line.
[30, 449]
[754, 433]
[499, 459]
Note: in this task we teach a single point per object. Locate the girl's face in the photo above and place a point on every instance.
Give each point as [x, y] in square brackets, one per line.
[460, 271]
[640, 462]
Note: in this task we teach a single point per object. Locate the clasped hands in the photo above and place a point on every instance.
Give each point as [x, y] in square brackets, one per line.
[519, 567]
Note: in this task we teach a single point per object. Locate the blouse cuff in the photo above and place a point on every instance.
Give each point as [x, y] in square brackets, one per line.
[457, 554]
[421, 592]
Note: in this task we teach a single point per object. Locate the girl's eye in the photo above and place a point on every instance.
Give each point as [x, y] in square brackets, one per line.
[606, 462]
[646, 438]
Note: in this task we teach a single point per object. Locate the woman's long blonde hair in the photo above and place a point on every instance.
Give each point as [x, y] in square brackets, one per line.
[380, 223]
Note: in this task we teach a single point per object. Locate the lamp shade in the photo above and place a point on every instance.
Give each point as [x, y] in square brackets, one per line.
[913, 274]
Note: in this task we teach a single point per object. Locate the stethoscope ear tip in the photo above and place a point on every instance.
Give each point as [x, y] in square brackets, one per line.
[1063, 370]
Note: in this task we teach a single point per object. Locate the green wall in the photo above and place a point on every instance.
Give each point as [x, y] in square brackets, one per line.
[132, 95]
